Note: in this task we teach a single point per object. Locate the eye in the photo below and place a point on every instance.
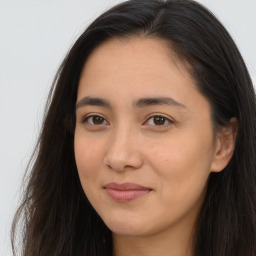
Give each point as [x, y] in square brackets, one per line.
[159, 120]
[95, 120]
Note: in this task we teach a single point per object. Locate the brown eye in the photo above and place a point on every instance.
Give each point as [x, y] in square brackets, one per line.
[159, 121]
[95, 120]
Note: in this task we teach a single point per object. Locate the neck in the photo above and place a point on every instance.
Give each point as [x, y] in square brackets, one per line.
[164, 244]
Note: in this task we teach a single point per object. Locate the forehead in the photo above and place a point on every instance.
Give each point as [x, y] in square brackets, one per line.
[123, 70]
[134, 58]
[124, 50]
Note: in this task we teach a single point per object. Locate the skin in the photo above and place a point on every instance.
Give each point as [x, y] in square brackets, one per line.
[173, 157]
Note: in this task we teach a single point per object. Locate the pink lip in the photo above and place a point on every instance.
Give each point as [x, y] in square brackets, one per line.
[126, 191]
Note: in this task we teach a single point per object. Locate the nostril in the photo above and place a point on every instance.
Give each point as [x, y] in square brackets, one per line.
[121, 162]
[122, 151]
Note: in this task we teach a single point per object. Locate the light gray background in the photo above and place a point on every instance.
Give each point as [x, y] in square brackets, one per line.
[34, 37]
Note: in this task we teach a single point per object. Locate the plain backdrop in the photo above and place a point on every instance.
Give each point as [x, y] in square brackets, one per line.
[34, 37]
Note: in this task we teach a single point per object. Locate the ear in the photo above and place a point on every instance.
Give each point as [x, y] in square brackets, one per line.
[225, 145]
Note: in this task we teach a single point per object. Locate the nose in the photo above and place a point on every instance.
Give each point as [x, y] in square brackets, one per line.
[123, 151]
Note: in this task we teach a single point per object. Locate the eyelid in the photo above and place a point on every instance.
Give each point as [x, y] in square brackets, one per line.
[105, 122]
[168, 119]
[86, 117]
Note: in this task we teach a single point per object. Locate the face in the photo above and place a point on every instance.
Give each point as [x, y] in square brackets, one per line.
[144, 142]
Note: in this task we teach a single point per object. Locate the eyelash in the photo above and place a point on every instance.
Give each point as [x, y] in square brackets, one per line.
[167, 121]
[87, 118]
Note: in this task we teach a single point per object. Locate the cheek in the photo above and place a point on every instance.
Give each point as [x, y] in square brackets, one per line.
[183, 164]
[87, 156]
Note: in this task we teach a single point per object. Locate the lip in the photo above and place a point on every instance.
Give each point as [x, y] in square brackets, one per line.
[125, 192]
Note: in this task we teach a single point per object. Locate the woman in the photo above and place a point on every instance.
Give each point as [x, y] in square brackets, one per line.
[148, 142]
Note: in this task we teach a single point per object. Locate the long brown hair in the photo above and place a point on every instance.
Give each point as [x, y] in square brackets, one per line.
[55, 217]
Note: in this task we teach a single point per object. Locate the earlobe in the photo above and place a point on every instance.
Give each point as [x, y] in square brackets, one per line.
[225, 145]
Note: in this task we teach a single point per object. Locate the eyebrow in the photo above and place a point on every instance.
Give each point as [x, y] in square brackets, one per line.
[143, 102]
[93, 102]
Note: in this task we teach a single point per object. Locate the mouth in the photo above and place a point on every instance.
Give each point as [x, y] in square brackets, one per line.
[126, 192]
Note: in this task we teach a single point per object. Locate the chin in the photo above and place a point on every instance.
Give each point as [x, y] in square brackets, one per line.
[125, 226]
